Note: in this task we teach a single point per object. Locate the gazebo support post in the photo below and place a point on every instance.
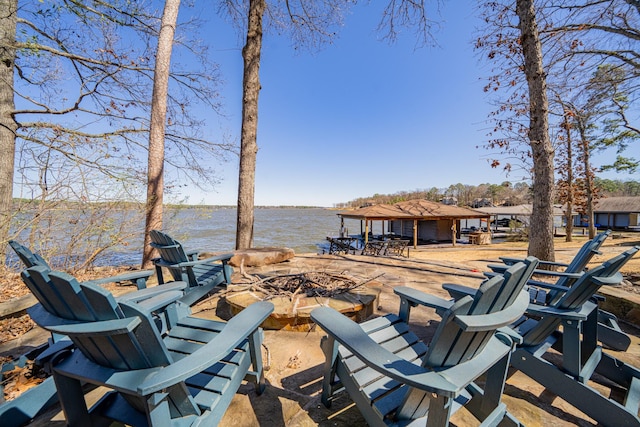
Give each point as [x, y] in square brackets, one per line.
[415, 234]
[366, 231]
[454, 231]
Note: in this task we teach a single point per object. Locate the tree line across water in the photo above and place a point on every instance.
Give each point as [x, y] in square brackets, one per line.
[507, 193]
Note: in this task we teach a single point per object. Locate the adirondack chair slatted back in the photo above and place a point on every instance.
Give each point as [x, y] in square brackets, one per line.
[138, 345]
[496, 298]
[451, 345]
[578, 294]
[28, 258]
[588, 250]
[170, 250]
[578, 264]
[580, 261]
[61, 295]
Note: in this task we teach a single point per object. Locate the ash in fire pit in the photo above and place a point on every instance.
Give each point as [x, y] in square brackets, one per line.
[296, 295]
[311, 284]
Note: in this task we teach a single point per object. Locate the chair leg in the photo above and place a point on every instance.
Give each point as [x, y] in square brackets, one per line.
[485, 401]
[571, 347]
[439, 411]
[255, 349]
[158, 410]
[330, 350]
[70, 393]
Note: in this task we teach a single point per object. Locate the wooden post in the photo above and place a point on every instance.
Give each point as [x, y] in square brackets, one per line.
[366, 231]
[415, 234]
[453, 232]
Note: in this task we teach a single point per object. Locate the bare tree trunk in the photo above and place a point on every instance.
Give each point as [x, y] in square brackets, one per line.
[588, 183]
[8, 125]
[249, 132]
[541, 231]
[155, 171]
[570, 184]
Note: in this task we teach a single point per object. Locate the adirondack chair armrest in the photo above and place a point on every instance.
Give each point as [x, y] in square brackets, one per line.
[160, 302]
[133, 277]
[192, 255]
[78, 366]
[52, 349]
[143, 294]
[351, 336]
[498, 319]
[510, 260]
[580, 314]
[158, 246]
[222, 257]
[234, 332]
[558, 273]
[614, 280]
[416, 297]
[102, 327]
[553, 263]
[546, 285]
[498, 268]
[458, 291]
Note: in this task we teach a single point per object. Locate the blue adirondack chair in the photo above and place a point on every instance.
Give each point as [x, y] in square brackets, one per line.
[202, 275]
[161, 302]
[609, 331]
[155, 298]
[581, 355]
[31, 259]
[186, 377]
[543, 292]
[395, 379]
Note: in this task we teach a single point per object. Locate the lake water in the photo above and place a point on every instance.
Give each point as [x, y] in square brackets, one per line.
[207, 229]
[214, 229]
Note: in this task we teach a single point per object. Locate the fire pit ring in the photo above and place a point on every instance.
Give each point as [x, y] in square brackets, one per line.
[356, 300]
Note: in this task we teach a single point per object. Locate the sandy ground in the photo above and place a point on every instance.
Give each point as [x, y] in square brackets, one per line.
[294, 359]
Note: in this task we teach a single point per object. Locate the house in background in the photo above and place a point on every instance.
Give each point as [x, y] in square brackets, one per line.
[521, 213]
[616, 213]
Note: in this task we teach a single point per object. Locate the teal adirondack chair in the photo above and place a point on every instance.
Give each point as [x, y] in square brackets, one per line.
[576, 312]
[186, 377]
[609, 331]
[202, 275]
[162, 302]
[396, 379]
[543, 292]
[32, 259]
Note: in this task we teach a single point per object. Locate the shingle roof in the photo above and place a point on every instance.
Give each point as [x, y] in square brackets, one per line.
[618, 204]
[426, 208]
[413, 209]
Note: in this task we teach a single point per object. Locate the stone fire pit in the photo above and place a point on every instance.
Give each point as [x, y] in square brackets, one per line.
[294, 296]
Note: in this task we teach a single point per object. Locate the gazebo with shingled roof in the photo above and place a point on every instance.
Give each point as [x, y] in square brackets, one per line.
[419, 219]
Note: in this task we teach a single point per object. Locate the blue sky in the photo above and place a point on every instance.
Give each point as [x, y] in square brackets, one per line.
[360, 116]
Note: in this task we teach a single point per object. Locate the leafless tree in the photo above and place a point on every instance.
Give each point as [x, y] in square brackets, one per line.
[155, 164]
[81, 119]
